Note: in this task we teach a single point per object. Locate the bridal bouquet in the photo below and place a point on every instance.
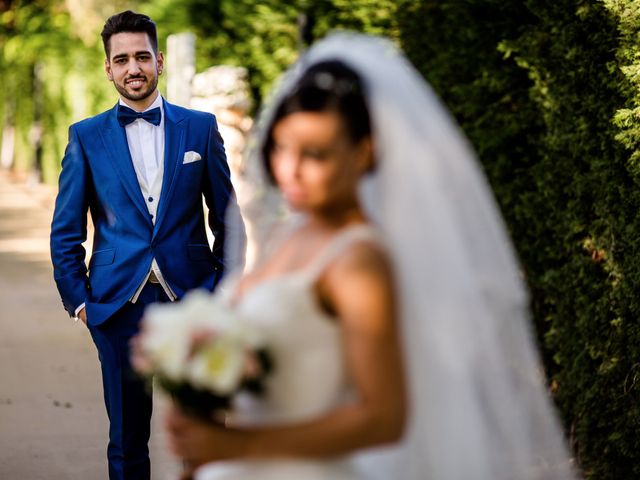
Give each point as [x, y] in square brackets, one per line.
[201, 352]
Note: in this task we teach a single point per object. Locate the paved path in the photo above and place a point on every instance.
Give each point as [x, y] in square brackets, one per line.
[53, 424]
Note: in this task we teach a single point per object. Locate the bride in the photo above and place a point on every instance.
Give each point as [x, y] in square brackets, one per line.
[390, 298]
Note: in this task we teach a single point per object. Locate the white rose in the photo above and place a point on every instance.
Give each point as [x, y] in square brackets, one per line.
[168, 330]
[218, 365]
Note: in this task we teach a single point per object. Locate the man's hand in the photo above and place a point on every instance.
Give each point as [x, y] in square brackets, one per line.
[82, 315]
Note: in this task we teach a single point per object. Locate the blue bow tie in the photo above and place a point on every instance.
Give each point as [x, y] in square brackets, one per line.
[127, 115]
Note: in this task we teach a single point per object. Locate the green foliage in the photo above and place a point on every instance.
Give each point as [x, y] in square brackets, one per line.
[261, 36]
[627, 119]
[264, 36]
[51, 63]
[371, 16]
[535, 86]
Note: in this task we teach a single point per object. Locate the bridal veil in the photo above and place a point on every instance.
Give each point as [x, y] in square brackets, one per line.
[479, 409]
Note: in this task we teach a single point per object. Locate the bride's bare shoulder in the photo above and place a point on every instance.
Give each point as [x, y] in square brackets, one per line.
[358, 287]
[364, 263]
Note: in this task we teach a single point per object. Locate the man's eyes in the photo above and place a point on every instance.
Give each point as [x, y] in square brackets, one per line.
[140, 58]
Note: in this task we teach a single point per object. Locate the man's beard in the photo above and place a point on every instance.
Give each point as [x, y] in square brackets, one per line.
[141, 94]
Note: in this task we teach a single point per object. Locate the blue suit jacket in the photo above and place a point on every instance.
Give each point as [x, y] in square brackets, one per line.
[98, 175]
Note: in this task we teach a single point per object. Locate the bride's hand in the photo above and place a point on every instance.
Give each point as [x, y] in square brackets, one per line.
[194, 441]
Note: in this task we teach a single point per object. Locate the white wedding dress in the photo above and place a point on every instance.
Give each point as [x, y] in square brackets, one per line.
[309, 377]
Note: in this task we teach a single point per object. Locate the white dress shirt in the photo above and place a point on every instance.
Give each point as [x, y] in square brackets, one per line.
[146, 145]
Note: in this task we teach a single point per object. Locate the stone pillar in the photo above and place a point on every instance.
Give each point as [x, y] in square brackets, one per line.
[180, 67]
[224, 91]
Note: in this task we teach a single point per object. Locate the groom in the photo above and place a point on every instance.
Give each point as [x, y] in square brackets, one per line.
[141, 169]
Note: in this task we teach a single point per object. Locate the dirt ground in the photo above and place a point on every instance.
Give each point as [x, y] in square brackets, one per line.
[53, 423]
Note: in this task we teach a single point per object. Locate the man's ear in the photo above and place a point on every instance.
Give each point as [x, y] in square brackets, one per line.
[160, 62]
[107, 69]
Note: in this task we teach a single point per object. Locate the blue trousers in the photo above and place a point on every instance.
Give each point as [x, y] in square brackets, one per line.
[126, 396]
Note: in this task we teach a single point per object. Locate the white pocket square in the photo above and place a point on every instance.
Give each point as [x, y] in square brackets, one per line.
[191, 156]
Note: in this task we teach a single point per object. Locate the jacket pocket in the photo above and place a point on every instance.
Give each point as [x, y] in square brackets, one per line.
[199, 252]
[102, 257]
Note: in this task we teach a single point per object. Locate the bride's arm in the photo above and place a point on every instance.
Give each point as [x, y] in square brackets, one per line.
[359, 288]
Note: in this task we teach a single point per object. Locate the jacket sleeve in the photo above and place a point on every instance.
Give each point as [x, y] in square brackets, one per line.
[224, 219]
[69, 226]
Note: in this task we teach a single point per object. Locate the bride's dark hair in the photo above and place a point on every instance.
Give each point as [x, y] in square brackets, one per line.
[328, 86]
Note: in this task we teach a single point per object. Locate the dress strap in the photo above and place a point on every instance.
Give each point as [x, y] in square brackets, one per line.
[338, 244]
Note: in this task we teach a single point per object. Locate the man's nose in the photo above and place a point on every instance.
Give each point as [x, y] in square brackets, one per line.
[133, 66]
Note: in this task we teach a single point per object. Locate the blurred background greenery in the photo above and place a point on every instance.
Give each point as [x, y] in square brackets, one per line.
[548, 92]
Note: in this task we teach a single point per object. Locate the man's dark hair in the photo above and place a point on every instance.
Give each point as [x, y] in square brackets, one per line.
[129, 21]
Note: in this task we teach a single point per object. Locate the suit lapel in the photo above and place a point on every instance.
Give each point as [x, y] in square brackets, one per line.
[174, 132]
[115, 144]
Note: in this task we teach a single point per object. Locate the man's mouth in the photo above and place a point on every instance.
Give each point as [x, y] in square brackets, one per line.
[135, 82]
